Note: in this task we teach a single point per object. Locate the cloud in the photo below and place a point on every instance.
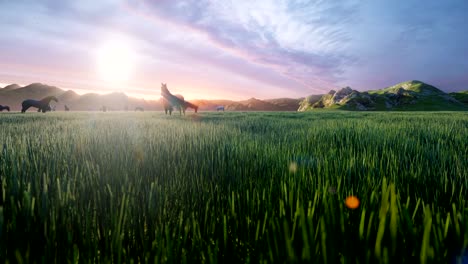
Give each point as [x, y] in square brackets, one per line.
[260, 48]
[409, 40]
[302, 40]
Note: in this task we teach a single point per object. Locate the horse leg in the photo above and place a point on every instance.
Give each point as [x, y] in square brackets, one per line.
[25, 108]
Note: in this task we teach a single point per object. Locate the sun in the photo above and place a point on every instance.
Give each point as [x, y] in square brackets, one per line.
[115, 62]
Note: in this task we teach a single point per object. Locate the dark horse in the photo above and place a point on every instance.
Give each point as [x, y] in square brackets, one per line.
[190, 105]
[170, 101]
[4, 107]
[41, 105]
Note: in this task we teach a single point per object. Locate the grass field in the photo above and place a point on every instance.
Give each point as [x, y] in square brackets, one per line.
[233, 187]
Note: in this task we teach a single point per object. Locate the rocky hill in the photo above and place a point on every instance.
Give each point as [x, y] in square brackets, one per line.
[411, 95]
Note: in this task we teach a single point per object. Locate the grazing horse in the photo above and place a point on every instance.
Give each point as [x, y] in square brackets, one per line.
[42, 105]
[139, 108]
[48, 109]
[4, 107]
[167, 106]
[220, 108]
[190, 105]
[170, 101]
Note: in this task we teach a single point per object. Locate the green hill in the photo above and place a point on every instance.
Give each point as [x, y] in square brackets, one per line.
[461, 96]
[405, 96]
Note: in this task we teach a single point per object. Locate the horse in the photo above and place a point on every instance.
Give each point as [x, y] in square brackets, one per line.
[168, 107]
[48, 109]
[220, 108]
[42, 105]
[139, 108]
[4, 107]
[66, 108]
[172, 100]
[190, 105]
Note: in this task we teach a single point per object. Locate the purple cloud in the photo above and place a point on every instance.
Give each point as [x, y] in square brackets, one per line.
[258, 32]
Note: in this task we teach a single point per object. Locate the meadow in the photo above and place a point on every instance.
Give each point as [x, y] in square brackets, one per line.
[233, 187]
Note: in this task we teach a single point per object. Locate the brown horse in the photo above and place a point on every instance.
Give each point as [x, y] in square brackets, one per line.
[190, 105]
[42, 105]
[170, 101]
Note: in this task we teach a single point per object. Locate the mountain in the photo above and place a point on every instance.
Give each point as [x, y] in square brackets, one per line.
[252, 104]
[11, 87]
[68, 96]
[14, 94]
[461, 96]
[411, 95]
[309, 101]
[210, 105]
[285, 104]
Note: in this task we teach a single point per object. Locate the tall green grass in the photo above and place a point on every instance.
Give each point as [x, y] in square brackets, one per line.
[233, 187]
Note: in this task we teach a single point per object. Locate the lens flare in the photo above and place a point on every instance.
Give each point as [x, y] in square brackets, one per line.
[292, 167]
[352, 202]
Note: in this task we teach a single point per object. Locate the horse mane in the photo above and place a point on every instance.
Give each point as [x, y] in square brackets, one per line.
[169, 101]
[164, 89]
[49, 98]
[181, 97]
[191, 105]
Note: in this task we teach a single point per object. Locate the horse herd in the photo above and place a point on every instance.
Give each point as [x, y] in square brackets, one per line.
[41, 105]
[169, 102]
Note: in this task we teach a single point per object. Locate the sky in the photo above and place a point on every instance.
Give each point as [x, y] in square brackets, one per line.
[233, 49]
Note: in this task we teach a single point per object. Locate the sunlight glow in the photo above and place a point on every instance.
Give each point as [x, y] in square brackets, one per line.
[115, 62]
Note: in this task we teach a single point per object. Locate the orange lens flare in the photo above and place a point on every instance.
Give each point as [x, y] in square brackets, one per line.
[352, 202]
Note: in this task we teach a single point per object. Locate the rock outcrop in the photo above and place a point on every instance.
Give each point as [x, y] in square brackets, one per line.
[412, 95]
